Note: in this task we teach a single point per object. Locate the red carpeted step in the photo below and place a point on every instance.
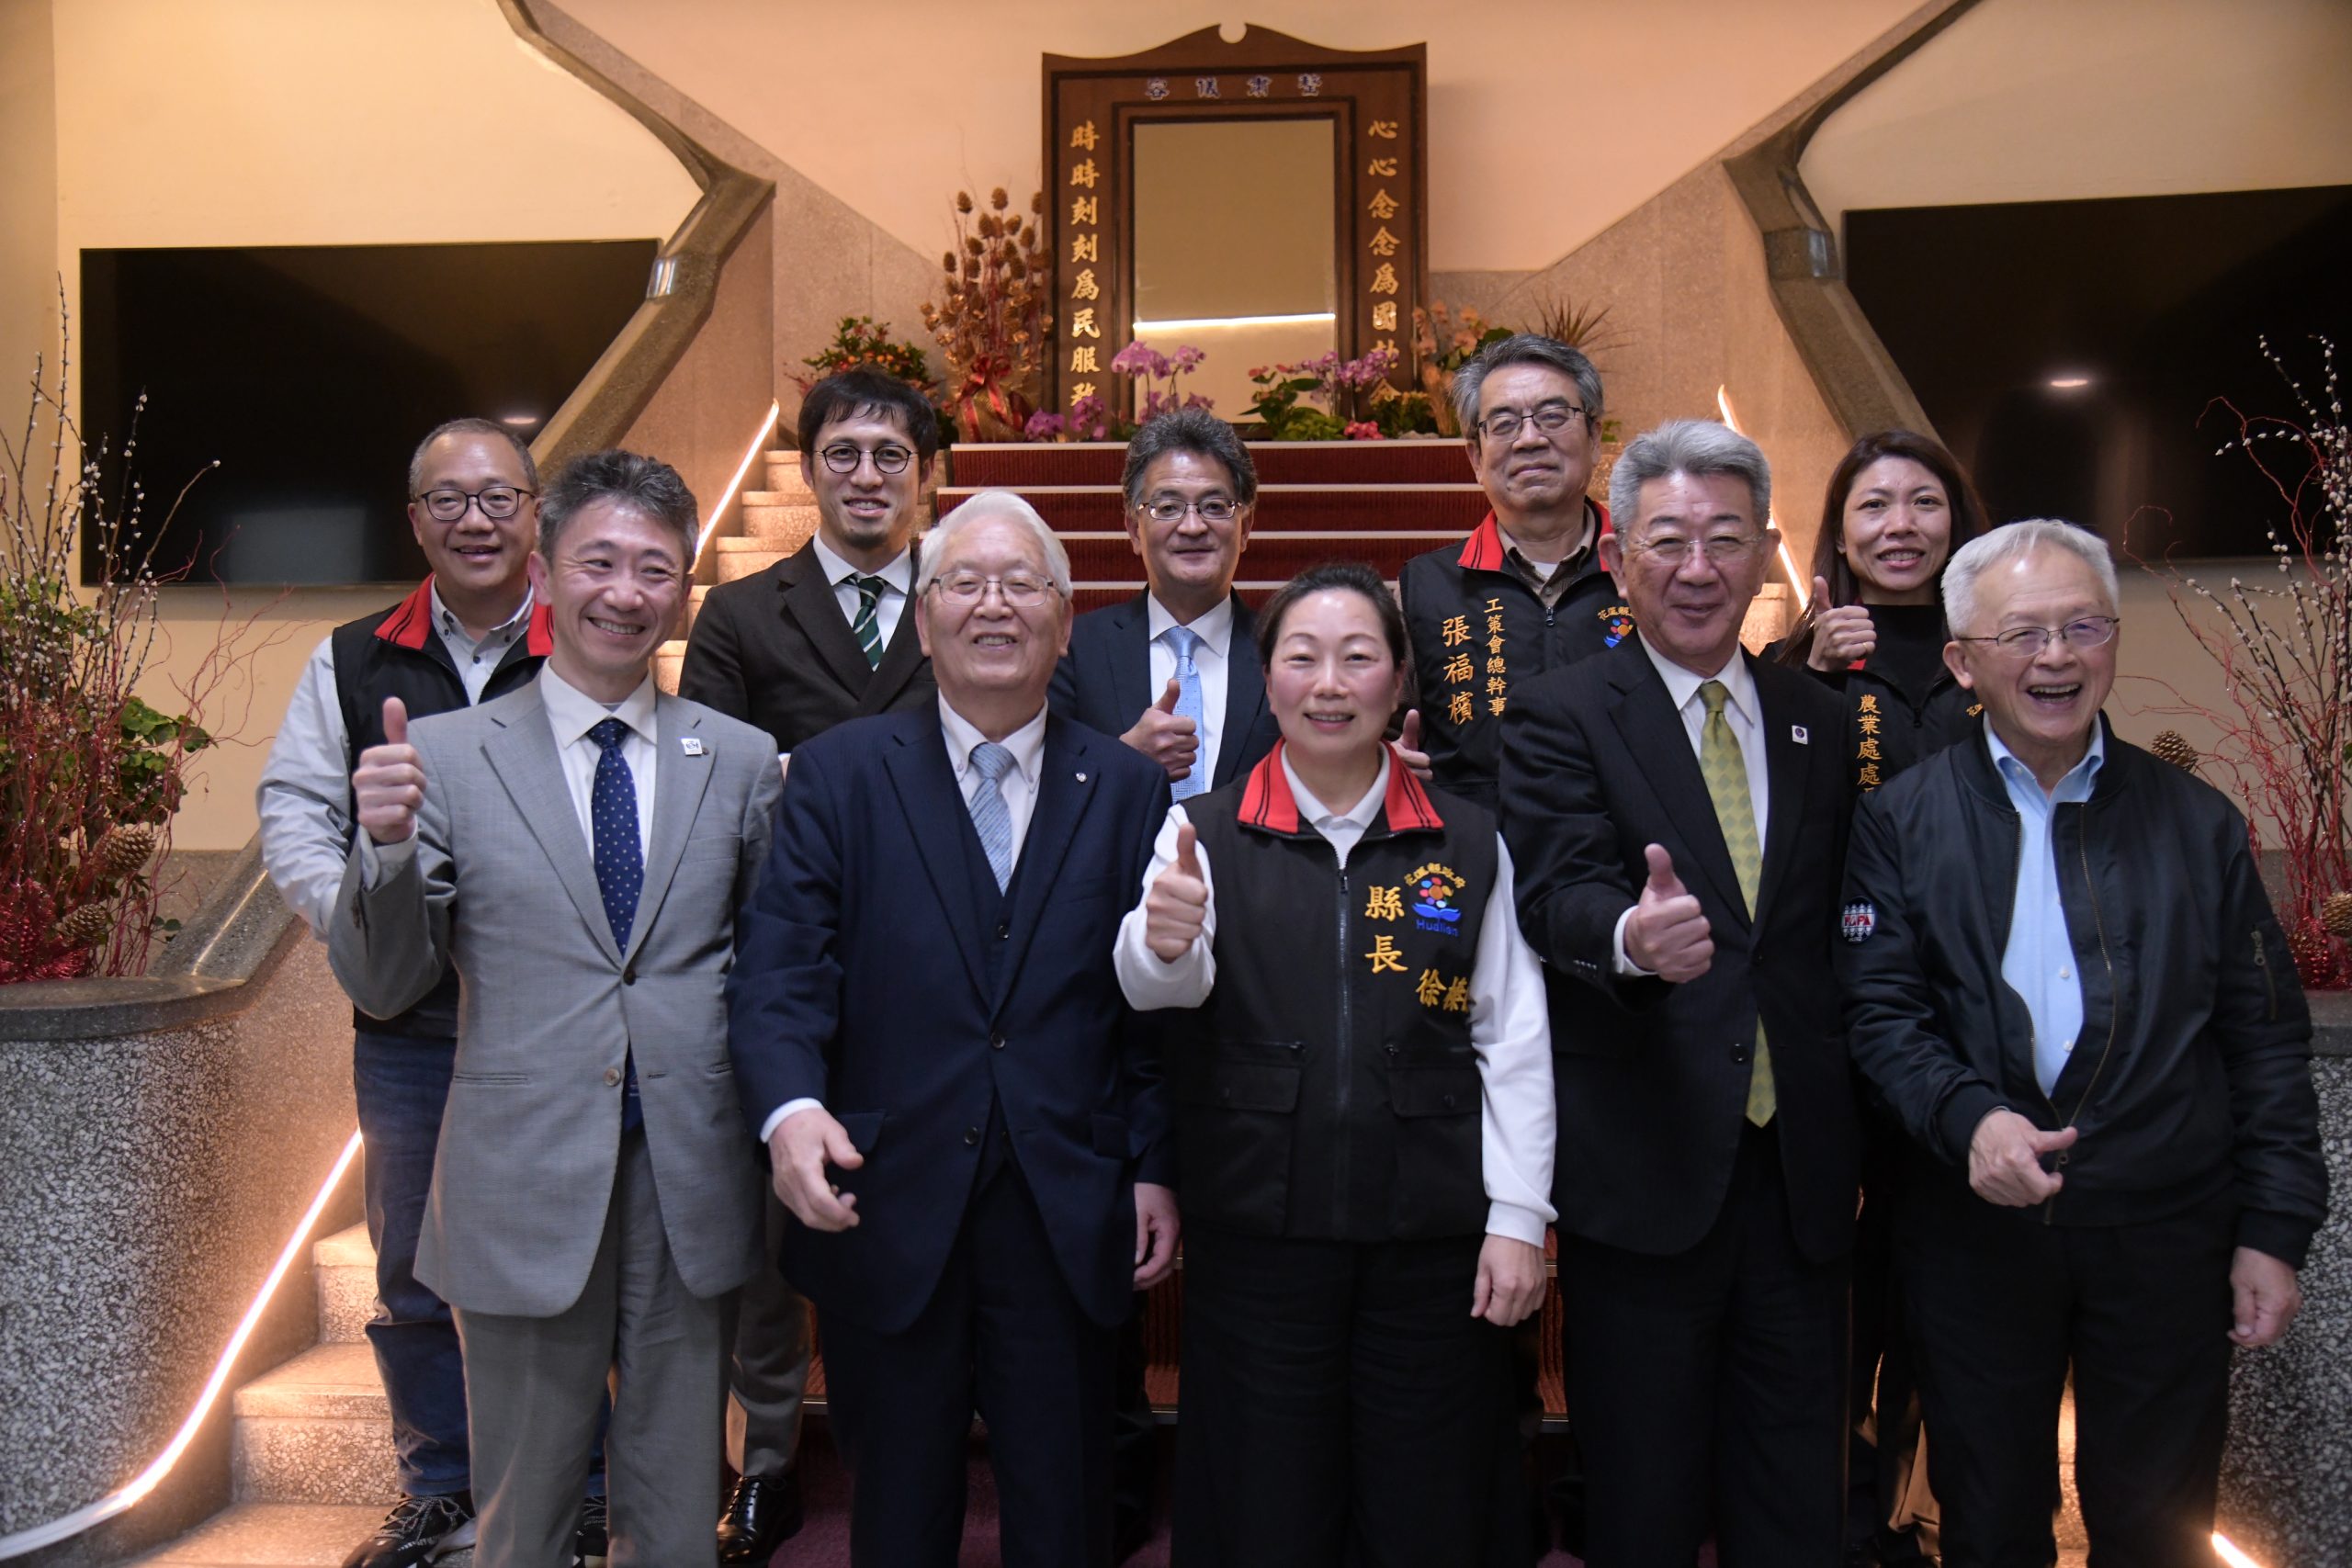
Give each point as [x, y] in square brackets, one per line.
[1346, 509]
[1019, 466]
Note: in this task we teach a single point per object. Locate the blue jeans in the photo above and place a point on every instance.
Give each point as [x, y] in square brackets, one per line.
[402, 1083]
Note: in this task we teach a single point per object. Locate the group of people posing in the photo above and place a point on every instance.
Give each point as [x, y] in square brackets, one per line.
[1884, 1040]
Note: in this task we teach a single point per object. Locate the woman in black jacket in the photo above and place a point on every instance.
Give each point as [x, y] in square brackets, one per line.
[1897, 507]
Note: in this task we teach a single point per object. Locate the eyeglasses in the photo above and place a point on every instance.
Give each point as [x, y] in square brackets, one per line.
[498, 503]
[842, 458]
[1210, 507]
[1020, 590]
[1504, 424]
[2028, 642]
[1719, 550]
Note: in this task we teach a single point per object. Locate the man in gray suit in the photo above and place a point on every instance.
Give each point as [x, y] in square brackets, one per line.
[578, 850]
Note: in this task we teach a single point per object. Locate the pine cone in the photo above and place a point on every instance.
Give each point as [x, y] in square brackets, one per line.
[125, 849]
[2173, 748]
[2335, 914]
[86, 927]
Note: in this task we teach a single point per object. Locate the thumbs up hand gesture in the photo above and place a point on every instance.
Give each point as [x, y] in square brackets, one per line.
[1840, 634]
[1668, 934]
[388, 784]
[1176, 910]
[1173, 743]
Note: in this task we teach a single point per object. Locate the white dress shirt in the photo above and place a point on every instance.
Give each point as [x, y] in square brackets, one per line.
[900, 575]
[1212, 657]
[2039, 962]
[571, 713]
[1744, 712]
[304, 797]
[1510, 1024]
[1019, 786]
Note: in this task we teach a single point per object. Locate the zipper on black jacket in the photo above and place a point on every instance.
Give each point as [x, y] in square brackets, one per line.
[1346, 1068]
[2270, 981]
[2114, 1004]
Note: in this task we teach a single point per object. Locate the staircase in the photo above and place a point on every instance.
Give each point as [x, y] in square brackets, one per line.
[310, 1452]
[1382, 502]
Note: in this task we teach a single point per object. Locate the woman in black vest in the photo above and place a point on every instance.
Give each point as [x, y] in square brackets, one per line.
[1365, 1120]
[1898, 505]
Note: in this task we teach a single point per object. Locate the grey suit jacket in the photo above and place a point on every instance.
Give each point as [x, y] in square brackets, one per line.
[503, 884]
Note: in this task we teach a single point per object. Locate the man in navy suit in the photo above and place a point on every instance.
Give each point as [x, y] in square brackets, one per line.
[930, 1040]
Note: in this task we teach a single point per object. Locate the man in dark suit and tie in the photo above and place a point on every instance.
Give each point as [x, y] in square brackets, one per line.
[577, 849]
[821, 636]
[930, 1041]
[1679, 821]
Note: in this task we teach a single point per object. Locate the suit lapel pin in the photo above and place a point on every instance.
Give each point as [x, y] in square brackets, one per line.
[1797, 733]
[690, 745]
[1081, 778]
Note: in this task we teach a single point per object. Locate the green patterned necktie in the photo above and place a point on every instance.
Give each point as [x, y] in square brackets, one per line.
[867, 624]
[1726, 774]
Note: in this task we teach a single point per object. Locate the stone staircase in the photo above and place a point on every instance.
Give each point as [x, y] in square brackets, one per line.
[310, 1452]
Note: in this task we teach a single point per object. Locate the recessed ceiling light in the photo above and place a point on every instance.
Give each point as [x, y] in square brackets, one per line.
[2068, 383]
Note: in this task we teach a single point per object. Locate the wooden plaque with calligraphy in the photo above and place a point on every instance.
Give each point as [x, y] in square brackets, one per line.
[1377, 100]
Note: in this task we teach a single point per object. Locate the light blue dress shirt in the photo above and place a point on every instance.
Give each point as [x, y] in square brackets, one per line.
[2039, 962]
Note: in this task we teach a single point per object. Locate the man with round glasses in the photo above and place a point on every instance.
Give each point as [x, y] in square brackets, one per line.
[1525, 592]
[820, 637]
[2063, 976]
[468, 633]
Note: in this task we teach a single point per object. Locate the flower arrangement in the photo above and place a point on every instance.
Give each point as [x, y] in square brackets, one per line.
[1152, 368]
[89, 774]
[2285, 650]
[1443, 343]
[861, 340]
[1089, 420]
[1353, 392]
[993, 329]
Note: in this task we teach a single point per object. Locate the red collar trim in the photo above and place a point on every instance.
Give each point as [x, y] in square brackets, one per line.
[410, 623]
[1268, 803]
[1483, 550]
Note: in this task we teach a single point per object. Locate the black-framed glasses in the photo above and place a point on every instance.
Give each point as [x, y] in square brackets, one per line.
[842, 458]
[498, 503]
[2028, 642]
[1020, 590]
[1549, 419]
[1171, 509]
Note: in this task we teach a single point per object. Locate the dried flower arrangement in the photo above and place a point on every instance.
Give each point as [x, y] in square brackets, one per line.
[2285, 650]
[861, 340]
[89, 774]
[1442, 343]
[993, 329]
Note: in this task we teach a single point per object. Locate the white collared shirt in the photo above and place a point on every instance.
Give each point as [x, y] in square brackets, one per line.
[2039, 962]
[1212, 657]
[1511, 1026]
[899, 574]
[1745, 713]
[571, 713]
[477, 658]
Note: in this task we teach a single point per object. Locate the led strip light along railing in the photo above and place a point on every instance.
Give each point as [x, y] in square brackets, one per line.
[750, 455]
[1798, 584]
[124, 1496]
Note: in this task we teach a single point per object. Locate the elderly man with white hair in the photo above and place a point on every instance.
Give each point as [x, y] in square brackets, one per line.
[2064, 974]
[930, 1040]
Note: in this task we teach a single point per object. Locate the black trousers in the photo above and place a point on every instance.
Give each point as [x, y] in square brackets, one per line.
[1714, 1376]
[1002, 1336]
[1340, 1404]
[1887, 1494]
[2001, 1305]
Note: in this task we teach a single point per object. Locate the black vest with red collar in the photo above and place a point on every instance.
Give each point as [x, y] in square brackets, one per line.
[1329, 1088]
[1479, 632]
[395, 653]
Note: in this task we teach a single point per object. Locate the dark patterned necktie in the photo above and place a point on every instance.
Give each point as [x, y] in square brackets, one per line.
[620, 862]
[866, 623]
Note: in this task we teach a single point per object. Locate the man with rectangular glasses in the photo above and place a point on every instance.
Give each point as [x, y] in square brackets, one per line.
[821, 636]
[1525, 592]
[2062, 974]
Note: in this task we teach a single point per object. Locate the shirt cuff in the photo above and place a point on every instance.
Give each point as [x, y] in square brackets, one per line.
[784, 1112]
[1516, 1223]
[1624, 965]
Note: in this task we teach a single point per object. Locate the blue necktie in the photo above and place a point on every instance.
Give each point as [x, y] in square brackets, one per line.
[991, 818]
[620, 860]
[1184, 640]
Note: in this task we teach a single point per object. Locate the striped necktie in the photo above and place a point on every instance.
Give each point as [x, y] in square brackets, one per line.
[1185, 642]
[992, 817]
[1726, 774]
[865, 623]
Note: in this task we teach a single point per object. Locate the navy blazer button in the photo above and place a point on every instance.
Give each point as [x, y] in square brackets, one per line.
[996, 1042]
[612, 1076]
[1739, 1053]
[628, 976]
[971, 1137]
[1449, 1102]
[1003, 930]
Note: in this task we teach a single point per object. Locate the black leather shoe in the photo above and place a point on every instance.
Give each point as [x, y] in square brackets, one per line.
[418, 1531]
[764, 1513]
[591, 1538]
